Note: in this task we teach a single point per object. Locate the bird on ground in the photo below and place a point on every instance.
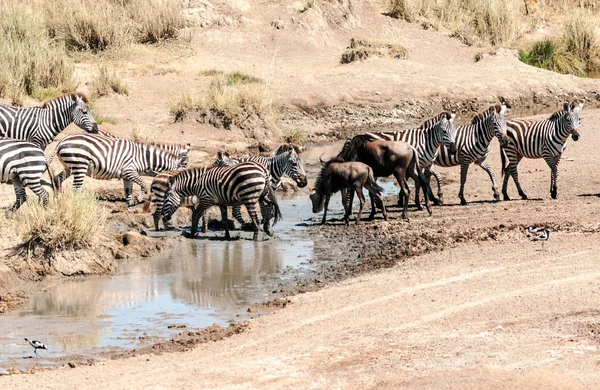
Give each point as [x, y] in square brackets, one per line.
[36, 345]
[539, 234]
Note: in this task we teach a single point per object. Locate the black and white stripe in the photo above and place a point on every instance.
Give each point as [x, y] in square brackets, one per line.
[473, 146]
[426, 139]
[539, 139]
[108, 158]
[40, 125]
[24, 163]
[243, 184]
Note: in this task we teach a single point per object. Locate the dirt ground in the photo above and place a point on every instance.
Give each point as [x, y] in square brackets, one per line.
[482, 307]
[460, 299]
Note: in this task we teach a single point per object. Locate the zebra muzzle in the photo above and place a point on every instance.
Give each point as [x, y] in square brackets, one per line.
[575, 135]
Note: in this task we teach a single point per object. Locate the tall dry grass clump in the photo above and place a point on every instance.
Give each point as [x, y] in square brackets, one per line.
[581, 39]
[107, 82]
[94, 26]
[156, 20]
[72, 220]
[30, 62]
[229, 99]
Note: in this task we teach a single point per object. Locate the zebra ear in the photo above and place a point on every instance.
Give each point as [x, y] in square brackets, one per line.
[503, 110]
[170, 182]
[566, 107]
[188, 147]
[220, 155]
[452, 116]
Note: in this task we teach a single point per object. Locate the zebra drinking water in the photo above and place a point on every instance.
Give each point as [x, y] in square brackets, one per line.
[426, 139]
[473, 146]
[545, 139]
[108, 158]
[24, 163]
[243, 184]
[41, 125]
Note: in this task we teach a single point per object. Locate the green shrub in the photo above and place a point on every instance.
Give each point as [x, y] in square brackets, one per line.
[554, 56]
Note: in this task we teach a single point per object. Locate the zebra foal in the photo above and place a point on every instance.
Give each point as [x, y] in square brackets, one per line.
[246, 183]
[108, 158]
[545, 139]
[24, 163]
[41, 125]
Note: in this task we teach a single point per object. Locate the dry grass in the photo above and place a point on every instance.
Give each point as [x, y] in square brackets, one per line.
[30, 62]
[361, 49]
[156, 20]
[229, 99]
[71, 221]
[296, 136]
[107, 82]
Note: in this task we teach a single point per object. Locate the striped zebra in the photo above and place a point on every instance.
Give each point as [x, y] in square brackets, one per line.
[545, 139]
[426, 139]
[24, 163]
[108, 158]
[287, 162]
[473, 146]
[41, 125]
[173, 148]
[243, 184]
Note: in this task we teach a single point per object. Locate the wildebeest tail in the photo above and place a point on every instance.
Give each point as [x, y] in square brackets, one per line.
[148, 203]
[371, 181]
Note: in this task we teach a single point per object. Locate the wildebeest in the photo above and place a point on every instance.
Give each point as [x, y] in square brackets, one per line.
[338, 175]
[388, 158]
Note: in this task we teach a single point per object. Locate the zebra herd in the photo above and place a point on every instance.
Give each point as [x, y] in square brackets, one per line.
[234, 181]
[439, 143]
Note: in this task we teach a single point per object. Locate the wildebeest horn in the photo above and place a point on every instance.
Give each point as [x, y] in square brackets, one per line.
[321, 160]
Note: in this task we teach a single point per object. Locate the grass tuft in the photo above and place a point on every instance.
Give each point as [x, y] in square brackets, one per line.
[361, 49]
[107, 82]
[71, 221]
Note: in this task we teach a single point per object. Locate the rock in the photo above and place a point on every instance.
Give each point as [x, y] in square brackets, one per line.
[278, 24]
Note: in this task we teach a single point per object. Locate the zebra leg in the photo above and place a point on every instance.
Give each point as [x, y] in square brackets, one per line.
[237, 214]
[37, 189]
[133, 176]
[348, 210]
[418, 197]
[552, 162]
[61, 177]
[224, 221]
[464, 170]
[20, 193]
[196, 214]
[128, 187]
[78, 177]
[512, 170]
[486, 167]
[251, 208]
[438, 178]
[204, 220]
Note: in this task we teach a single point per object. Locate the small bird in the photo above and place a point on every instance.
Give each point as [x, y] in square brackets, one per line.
[539, 234]
[36, 345]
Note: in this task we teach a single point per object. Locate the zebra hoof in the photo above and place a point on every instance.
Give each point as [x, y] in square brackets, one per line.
[440, 199]
[524, 197]
[420, 208]
[189, 235]
[463, 202]
[497, 197]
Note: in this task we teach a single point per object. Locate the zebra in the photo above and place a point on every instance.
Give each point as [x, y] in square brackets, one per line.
[287, 162]
[41, 125]
[108, 158]
[545, 139]
[473, 146]
[426, 139]
[24, 163]
[245, 183]
[173, 148]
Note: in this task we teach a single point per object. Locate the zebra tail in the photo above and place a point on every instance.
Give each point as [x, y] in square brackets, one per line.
[148, 203]
[503, 159]
[52, 177]
[271, 199]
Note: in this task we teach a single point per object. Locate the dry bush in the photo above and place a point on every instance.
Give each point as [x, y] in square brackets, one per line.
[296, 136]
[229, 99]
[94, 26]
[156, 20]
[30, 62]
[70, 221]
[107, 82]
[361, 49]
[582, 41]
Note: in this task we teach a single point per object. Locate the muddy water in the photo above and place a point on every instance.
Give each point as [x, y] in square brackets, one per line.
[200, 283]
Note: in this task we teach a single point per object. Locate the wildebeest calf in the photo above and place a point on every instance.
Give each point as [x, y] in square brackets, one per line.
[338, 175]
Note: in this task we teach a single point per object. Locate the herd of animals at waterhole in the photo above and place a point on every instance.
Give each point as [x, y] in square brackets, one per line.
[251, 181]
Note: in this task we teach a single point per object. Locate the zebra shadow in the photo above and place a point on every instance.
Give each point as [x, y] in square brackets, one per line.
[589, 195]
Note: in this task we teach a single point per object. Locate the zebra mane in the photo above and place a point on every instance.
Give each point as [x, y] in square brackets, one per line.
[435, 120]
[286, 147]
[557, 115]
[483, 115]
[324, 168]
[168, 144]
[72, 96]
